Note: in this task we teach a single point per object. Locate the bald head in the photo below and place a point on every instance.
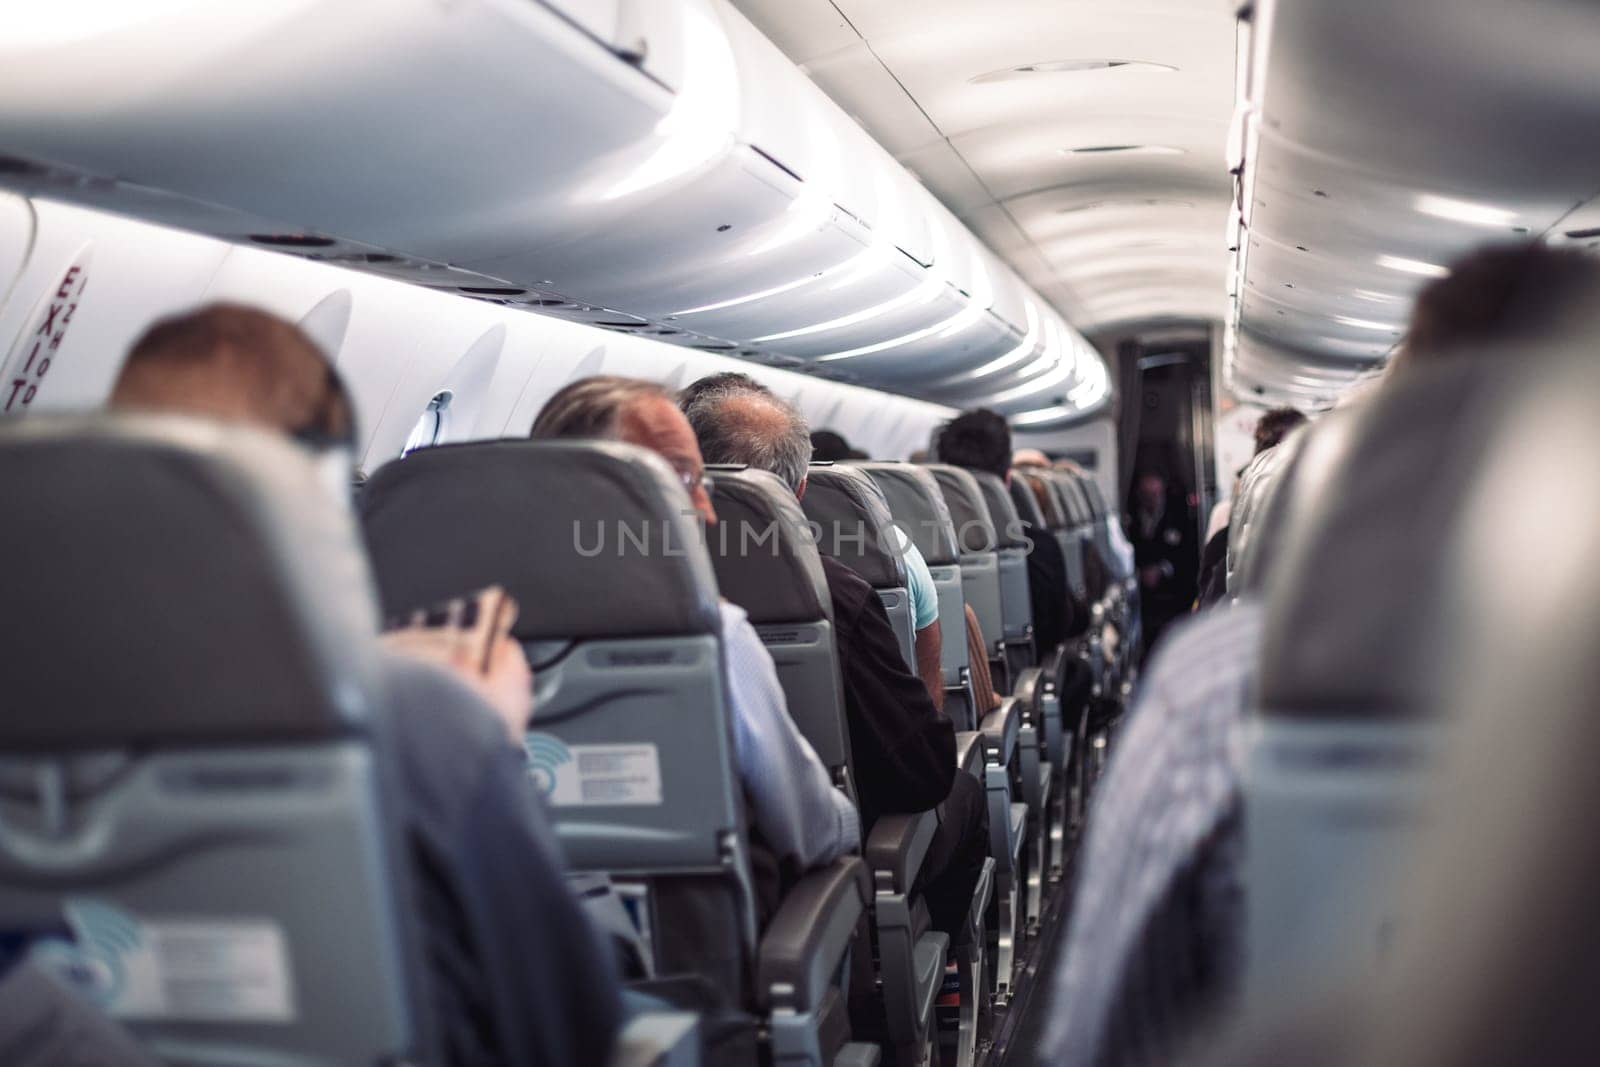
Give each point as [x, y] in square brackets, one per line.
[237, 364]
[736, 419]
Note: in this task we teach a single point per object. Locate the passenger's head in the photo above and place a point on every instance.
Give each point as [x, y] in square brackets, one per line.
[829, 447]
[1150, 489]
[1500, 295]
[238, 364]
[738, 420]
[607, 407]
[1274, 426]
[1029, 457]
[978, 440]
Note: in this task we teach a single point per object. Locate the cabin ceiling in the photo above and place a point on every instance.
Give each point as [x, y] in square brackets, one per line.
[1108, 237]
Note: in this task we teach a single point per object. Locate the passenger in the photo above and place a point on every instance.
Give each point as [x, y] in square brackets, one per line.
[517, 976]
[1155, 942]
[1162, 529]
[1271, 428]
[981, 440]
[1029, 457]
[829, 447]
[799, 815]
[904, 747]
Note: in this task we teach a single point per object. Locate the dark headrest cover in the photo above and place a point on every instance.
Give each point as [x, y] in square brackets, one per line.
[593, 538]
[1002, 510]
[1026, 504]
[171, 580]
[1352, 593]
[763, 552]
[855, 525]
[974, 527]
[918, 508]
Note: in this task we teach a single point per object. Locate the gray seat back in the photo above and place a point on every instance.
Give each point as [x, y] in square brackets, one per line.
[1075, 499]
[1058, 521]
[631, 740]
[1016, 607]
[1342, 740]
[918, 509]
[851, 522]
[767, 563]
[194, 737]
[980, 544]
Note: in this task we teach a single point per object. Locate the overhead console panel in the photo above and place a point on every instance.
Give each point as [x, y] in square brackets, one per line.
[654, 167]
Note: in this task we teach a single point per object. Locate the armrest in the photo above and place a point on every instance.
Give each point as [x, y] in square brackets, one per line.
[658, 1039]
[812, 931]
[969, 752]
[897, 846]
[1000, 728]
[1029, 688]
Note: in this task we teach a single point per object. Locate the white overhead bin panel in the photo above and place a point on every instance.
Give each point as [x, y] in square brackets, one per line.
[653, 167]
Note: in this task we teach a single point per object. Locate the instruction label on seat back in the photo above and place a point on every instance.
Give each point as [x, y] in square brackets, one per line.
[199, 970]
[613, 775]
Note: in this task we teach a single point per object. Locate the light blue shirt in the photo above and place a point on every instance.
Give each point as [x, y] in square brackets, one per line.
[919, 583]
[790, 794]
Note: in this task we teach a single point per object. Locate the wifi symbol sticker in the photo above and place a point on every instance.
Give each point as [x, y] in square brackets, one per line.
[546, 755]
[94, 962]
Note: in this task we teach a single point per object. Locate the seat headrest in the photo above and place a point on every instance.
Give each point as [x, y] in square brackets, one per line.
[918, 508]
[974, 527]
[1097, 499]
[593, 538]
[1073, 499]
[1047, 498]
[171, 580]
[763, 552]
[1348, 611]
[854, 523]
[1261, 476]
[1002, 510]
[1026, 504]
[1289, 484]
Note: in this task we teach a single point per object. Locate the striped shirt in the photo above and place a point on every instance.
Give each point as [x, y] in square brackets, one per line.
[1155, 941]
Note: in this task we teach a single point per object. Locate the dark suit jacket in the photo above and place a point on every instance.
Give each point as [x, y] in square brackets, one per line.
[903, 749]
[518, 977]
[1053, 615]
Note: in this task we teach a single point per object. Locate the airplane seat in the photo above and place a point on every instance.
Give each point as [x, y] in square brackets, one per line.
[853, 525]
[1260, 477]
[1029, 486]
[1016, 607]
[980, 560]
[1341, 741]
[1001, 729]
[767, 562]
[631, 741]
[918, 509]
[1037, 773]
[198, 733]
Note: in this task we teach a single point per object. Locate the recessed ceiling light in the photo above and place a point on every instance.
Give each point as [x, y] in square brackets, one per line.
[1413, 266]
[1365, 324]
[1147, 202]
[1069, 66]
[1443, 207]
[1124, 150]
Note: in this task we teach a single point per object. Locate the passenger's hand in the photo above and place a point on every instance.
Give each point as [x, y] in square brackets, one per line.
[507, 686]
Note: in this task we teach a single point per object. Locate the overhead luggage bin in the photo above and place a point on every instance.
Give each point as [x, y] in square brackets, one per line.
[655, 168]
